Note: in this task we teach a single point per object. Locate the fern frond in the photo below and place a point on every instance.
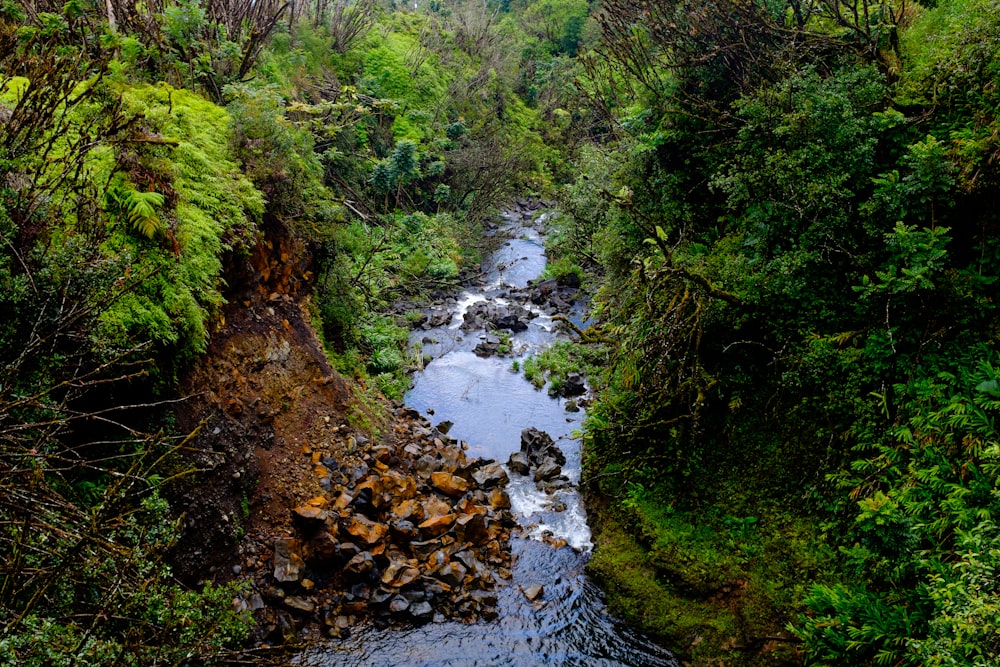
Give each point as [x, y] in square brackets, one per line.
[141, 208]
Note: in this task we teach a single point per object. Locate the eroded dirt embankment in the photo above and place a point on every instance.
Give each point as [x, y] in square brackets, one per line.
[329, 523]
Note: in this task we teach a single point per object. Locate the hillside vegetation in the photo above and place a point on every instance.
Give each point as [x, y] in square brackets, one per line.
[794, 212]
[787, 211]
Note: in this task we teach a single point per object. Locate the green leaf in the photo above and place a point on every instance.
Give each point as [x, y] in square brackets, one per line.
[141, 208]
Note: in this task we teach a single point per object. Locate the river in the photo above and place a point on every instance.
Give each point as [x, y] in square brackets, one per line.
[490, 403]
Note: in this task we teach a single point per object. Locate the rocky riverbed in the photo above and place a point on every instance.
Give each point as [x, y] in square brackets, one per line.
[415, 531]
[457, 518]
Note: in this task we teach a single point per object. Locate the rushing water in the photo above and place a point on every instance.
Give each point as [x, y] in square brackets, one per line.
[490, 404]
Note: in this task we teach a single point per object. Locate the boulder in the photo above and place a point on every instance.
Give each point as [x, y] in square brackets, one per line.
[541, 292]
[288, 563]
[437, 526]
[421, 611]
[438, 318]
[399, 574]
[403, 531]
[368, 532]
[360, 565]
[534, 441]
[534, 591]
[487, 347]
[471, 528]
[573, 385]
[309, 517]
[511, 321]
[518, 463]
[363, 502]
[569, 279]
[452, 574]
[499, 499]
[490, 475]
[399, 604]
[449, 484]
[409, 509]
[434, 506]
[547, 470]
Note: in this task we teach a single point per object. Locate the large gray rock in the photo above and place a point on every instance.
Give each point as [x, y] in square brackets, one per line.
[490, 475]
[518, 463]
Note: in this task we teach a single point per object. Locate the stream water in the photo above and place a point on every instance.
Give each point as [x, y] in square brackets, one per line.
[489, 403]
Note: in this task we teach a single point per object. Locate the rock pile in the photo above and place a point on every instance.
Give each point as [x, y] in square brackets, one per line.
[541, 458]
[555, 294]
[415, 531]
[492, 316]
[527, 209]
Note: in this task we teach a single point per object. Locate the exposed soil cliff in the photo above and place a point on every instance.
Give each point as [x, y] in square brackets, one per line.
[328, 524]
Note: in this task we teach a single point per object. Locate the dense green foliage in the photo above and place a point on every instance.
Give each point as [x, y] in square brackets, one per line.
[796, 224]
[116, 205]
[152, 155]
[788, 210]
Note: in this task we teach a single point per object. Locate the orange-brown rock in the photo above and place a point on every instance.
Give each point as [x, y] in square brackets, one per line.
[309, 517]
[409, 510]
[437, 525]
[342, 501]
[499, 499]
[472, 528]
[449, 484]
[402, 487]
[467, 506]
[367, 531]
[288, 563]
[399, 574]
[434, 506]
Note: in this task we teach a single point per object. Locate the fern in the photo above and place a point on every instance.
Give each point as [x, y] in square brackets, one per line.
[140, 207]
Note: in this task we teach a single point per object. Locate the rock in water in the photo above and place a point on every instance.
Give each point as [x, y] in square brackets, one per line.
[534, 591]
[573, 385]
[490, 475]
[518, 463]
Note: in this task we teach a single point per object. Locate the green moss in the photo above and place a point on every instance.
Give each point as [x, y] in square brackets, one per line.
[693, 628]
[703, 580]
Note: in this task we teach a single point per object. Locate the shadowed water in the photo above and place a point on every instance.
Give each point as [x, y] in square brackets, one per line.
[568, 624]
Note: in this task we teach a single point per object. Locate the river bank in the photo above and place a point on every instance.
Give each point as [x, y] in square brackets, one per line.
[455, 518]
[472, 345]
